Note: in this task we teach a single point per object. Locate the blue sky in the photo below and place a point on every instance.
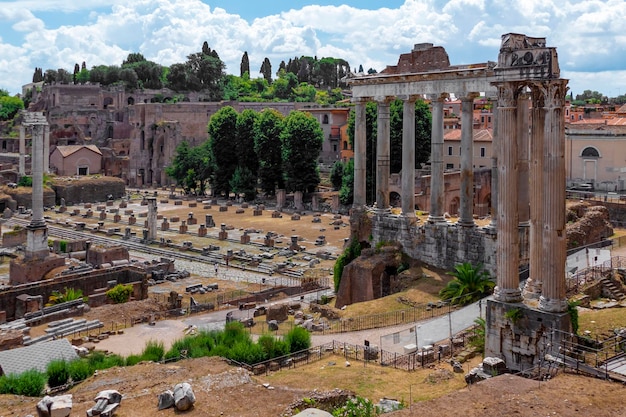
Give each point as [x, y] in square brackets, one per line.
[51, 34]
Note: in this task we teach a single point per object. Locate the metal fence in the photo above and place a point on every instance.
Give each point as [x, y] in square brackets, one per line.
[578, 281]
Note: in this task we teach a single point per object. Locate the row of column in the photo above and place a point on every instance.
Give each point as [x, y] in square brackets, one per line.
[437, 186]
[530, 153]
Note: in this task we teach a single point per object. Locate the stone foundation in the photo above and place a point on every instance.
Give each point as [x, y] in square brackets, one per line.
[522, 335]
[23, 271]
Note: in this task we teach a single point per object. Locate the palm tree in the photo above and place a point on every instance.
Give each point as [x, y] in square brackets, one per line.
[469, 284]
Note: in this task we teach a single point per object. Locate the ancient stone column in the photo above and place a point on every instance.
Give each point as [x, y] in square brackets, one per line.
[496, 142]
[297, 200]
[507, 254]
[408, 156]
[152, 218]
[46, 149]
[360, 160]
[466, 217]
[22, 163]
[523, 150]
[532, 290]
[383, 146]
[553, 291]
[436, 161]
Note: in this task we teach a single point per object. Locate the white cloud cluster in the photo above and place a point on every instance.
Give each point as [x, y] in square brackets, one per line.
[587, 33]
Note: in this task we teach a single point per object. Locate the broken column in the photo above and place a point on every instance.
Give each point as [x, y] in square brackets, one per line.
[208, 220]
[223, 235]
[245, 238]
[165, 225]
[182, 229]
[152, 218]
[191, 220]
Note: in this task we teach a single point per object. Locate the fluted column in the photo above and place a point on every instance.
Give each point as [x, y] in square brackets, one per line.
[408, 156]
[383, 146]
[22, 163]
[523, 149]
[436, 161]
[532, 290]
[152, 218]
[360, 152]
[495, 143]
[507, 254]
[466, 217]
[46, 149]
[553, 292]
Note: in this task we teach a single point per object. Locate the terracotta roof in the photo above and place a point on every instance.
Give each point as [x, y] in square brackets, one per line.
[621, 109]
[70, 149]
[480, 135]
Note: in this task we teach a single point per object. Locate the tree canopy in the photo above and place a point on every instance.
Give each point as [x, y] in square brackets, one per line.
[302, 140]
[9, 106]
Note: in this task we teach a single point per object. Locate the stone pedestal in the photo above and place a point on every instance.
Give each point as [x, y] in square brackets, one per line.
[522, 335]
[202, 230]
[191, 220]
[193, 204]
[223, 208]
[89, 213]
[245, 238]
[132, 219]
[123, 204]
[36, 242]
[103, 215]
[117, 218]
[294, 243]
[257, 211]
[297, 200]
[223, 235]
[208, 220]
[165, 225]
[280, 198]
[183, 227]
[276, 215]
[268, 241]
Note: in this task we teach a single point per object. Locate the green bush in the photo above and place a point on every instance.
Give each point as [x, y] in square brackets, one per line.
[298, 339]
[79, 370]
[357, 407]
[99, 360]
[246, 352]
[272, 347]
[30, 383]
[352, 252]
[25, 181]
[133, 360]
[58, 373]
[120, 293]
[153, 351]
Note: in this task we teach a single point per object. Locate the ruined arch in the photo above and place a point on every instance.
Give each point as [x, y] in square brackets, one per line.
[131, 101]
[107, 102]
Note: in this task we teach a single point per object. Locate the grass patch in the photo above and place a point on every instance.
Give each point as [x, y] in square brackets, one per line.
[601, 323]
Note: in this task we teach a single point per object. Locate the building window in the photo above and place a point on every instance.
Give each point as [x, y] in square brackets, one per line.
[325, 119]
[488, 119]
[83, 170]
[449, 166]
[335, 148]
[449, 150]
[590, 152]
[345, 145]
[482, 152]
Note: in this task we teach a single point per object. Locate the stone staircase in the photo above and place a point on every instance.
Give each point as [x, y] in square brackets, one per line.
[610, 287]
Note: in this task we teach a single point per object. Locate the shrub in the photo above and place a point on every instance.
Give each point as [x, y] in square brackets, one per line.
[133, 360]
[272, 347]
[98, 360]
[30, 383]
[120, 293]
[58, 373]
[68, 294]
[153, 351]
[352, 252]
[298, 339]
[79, 370]
[357, 407]
[246, 352]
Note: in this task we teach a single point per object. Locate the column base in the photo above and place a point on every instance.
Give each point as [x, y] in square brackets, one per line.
[532, 289]
[552, 305]
[466, 223]
[507, 295]
[36, 242]
[437, 219]
[382, 211]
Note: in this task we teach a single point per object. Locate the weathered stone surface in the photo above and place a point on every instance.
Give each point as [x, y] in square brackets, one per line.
[166, 400]
[278, 313]
[111, 395]
[494, 366]
[587, 224]
[61, 406]
[184, 397]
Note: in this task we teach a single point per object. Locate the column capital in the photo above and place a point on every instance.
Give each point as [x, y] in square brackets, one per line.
[411, 98]
[438, 97]
[467, 96]
[360, 100]
[384, 99]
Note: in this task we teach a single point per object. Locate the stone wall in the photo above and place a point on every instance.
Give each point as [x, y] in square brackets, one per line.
[440, 245]
[88, 283]
[24, 197]
[85, 190]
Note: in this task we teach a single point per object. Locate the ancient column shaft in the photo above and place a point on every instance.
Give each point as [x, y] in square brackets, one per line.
[408, 157]
[466, 217]
[37, 219]
[494, 173]
[523, 150]
[436, 163]
[532, 289]
[553, 292]
[152, 218]
[507, 256]
[22, 163]
[382, 156]
[360, 151]
[46, 149]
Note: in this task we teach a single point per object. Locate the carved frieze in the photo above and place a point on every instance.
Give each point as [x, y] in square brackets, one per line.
[527, 57]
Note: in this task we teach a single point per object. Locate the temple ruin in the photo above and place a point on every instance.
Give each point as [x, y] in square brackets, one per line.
[528, 183]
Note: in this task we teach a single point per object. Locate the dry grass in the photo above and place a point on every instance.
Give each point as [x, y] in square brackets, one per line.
[601, 323]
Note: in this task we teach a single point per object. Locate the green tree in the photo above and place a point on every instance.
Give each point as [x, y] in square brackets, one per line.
[244, 145]
[191, 167]
[283, 87]
[243, 183]
[346, 192]
[267, 145]
[302, 140]
[298, 339]
[350, 253]
[245, 64]
[9, 106]
[469, 284]
[336, 175]
[222, 131]
[266, 70]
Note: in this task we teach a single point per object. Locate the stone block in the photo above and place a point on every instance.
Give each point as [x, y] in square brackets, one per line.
[276, 215]
[143, 214]
[123, 204]
[193, 204]
[207, 207]
[128, 212]
[100, 208]
[165, 226]
[144, 202]
[87, 205]
[103, 215]
[117, 218]
[182, 229]
[223, 235]
[132, 220]
[175, 219]
[240, 211]
[223, 208]
[164, 201]
[202, 231]
[245, 239]
[109, 203]
[192, 220]
[257, 212]
[244, 205]
[178, 203]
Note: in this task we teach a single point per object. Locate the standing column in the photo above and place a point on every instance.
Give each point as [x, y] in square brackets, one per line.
[360, 151]
[467, 160]
[22, 164]
[436, 161]
[37, 219]
[507, 254]
[523, 149]
[46, 149]
[495, 143]
[408, 156]
[152, 218]
[553, 291]
[532, 290]
[382, 155]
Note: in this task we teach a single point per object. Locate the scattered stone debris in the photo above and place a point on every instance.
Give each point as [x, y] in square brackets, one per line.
[107, 402]
[59, 406]
[489, 367]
